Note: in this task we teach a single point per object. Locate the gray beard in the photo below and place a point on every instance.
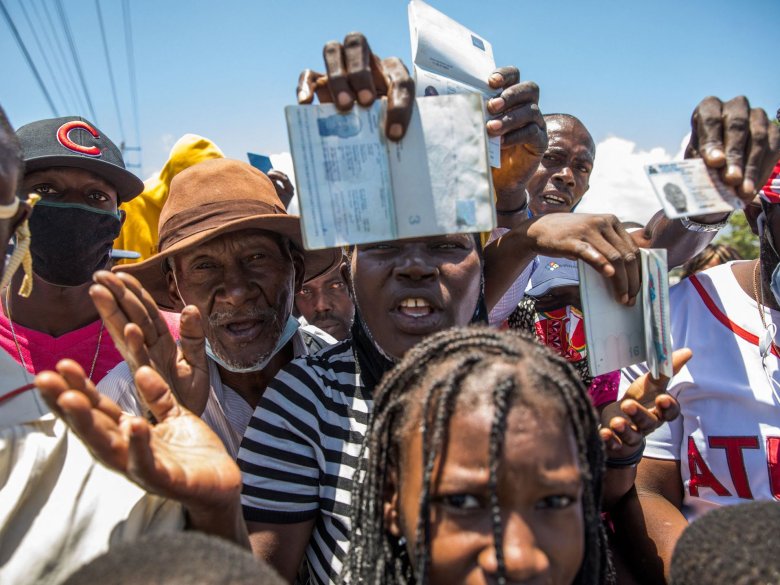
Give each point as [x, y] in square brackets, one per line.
[216, 319]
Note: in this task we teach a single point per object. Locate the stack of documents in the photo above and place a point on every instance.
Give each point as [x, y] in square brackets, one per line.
[448, 58]
[620, 336]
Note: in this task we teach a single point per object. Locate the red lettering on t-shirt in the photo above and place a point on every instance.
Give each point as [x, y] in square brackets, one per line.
[736, 461]
[773, 463]
[701, 476]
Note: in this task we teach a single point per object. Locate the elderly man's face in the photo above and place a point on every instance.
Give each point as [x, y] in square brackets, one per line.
[243, 284]
[563, 176]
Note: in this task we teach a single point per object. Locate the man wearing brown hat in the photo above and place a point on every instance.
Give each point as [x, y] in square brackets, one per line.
[231, 259]
[59, 507]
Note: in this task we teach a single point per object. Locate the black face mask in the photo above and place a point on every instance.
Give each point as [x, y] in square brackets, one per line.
[71, 241]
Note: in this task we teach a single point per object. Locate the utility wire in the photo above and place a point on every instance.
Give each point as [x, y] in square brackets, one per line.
[110, 71]
[59, 53]
[67, 69]
[27, 57]
[43, 51]
[131, 70]
[76, 60]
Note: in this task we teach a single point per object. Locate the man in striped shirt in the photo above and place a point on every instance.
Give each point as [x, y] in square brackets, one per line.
[301, 447]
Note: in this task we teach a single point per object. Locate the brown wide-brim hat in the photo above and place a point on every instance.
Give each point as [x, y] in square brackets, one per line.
[213, 198]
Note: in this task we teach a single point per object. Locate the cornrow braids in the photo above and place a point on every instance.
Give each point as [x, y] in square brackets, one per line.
[501, 395]
[722, 252]
[422, 391]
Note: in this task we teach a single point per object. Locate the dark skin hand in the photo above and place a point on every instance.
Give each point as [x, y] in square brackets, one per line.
[624, 424]
[681, 244]
[354, 73]
[560, 296]
[598, 239]
[284, 188]
[178, 458]
[742, 145]
[522, 148]
[736, 139]
[142, 336]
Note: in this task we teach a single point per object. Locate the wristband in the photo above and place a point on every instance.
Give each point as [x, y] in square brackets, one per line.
[520, 209]
[630, 461]
[695, 226]
[8, 211]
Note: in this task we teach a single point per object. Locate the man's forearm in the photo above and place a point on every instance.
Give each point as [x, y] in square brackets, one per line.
[512, 207]
[505, 259]
[227, 522]
[681, 243]
[649, 526]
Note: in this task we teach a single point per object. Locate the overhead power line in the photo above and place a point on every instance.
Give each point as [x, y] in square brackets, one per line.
[76, 60]
[110, 71]
[131, 70]
[43, 51]
[59, 54]
[27, 57]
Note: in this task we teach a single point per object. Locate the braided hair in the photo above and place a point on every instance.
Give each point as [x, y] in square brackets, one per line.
[722, 252]
[421, 393]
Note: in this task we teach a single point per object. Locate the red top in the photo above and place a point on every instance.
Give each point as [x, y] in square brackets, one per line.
[41, 351]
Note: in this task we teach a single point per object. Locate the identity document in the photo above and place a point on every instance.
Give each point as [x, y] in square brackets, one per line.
[356, 187]
[688, 188]
[449, 58]
[619, 336]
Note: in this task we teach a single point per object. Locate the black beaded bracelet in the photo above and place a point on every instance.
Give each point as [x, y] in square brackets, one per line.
[520, 209]
[630, 461]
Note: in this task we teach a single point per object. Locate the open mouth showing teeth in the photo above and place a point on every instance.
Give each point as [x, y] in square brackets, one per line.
[239, 327]
[554, 199]
[415, 307]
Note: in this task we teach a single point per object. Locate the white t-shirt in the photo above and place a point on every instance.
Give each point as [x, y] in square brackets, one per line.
[226, 412]
[59, 508]
[727, 437]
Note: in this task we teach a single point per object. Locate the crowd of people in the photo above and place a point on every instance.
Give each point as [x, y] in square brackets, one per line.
[184, 382]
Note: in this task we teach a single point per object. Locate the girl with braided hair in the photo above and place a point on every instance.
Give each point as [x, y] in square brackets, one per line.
[484, 462]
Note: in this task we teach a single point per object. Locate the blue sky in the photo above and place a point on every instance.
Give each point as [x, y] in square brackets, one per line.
[226, 69]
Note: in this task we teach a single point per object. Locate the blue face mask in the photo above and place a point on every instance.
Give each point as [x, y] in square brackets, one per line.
[774, 283]
[289, 330]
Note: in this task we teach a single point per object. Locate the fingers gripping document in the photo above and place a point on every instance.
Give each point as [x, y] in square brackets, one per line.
[357, 187]
[619, 336]
[688, 188]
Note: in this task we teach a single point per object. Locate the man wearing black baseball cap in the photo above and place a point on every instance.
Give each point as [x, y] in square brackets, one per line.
[59, 506]
[80, 177]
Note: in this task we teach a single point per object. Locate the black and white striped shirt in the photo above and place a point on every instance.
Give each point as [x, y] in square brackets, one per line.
[301, 449]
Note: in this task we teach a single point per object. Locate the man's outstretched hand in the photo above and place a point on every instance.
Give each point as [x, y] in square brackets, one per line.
[179, 458]
[142, 337]
[644, 407]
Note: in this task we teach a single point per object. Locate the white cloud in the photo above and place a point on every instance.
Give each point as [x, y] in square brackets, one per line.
[619, 184]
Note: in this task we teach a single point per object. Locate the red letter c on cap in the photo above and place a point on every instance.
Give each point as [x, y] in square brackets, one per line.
[63, 136]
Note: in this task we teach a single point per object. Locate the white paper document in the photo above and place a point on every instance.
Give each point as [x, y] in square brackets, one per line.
[619, 336]
[448, 58]
[356, 187]
[688, 188]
